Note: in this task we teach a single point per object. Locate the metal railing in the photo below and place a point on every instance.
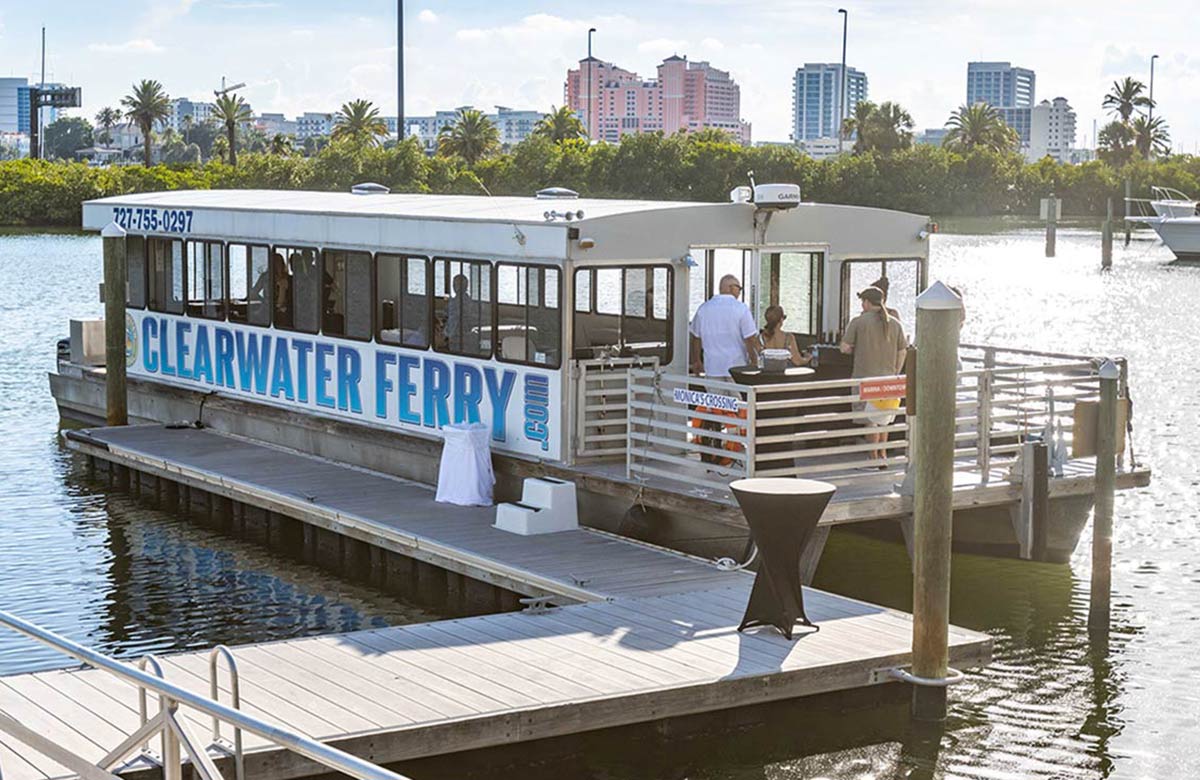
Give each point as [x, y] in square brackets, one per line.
[601, 410]
[705, 432]
[177, 738]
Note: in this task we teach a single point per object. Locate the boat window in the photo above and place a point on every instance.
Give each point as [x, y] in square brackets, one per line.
[462, 300]
[402, 300]
[206, 280]
[793, 280]
[166, 273]
[583, 292]
[528, 320]
[725, 262]
[904, 277]
[135, 272]
[630, 316]
[296, 276]
[249, 284]
[346, 295]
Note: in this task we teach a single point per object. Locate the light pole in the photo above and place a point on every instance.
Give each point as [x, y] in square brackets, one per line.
[1150, 113]
[399, 71]
[841, 132]
[589, 84]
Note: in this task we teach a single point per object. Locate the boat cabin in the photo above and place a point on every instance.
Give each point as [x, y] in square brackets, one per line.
[413, 311]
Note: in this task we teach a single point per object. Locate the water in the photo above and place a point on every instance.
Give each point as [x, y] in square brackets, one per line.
[98, 567]
[126, 579]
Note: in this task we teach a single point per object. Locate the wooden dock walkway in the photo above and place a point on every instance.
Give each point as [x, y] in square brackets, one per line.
[646, 634]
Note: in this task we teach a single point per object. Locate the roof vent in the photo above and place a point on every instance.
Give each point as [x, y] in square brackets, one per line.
[557, 193]
[369, 188]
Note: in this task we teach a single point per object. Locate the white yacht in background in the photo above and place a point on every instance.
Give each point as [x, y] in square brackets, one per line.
[1175, 218]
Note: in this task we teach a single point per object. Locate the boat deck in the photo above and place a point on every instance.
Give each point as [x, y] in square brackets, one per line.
[646, 633]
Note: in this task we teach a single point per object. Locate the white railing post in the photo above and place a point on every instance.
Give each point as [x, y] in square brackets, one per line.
[751, 425]
[172, 765]
[983, 415]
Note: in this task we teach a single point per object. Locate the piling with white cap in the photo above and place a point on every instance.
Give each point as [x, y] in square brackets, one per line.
[1106, 476]
[116, 400]
[939, 312]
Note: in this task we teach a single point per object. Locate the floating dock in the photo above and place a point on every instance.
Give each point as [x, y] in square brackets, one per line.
[643, 633]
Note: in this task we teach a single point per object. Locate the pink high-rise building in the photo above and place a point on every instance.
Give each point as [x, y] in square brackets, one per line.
[685, 96]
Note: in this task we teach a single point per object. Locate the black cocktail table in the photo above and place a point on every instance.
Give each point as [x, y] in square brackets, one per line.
[782, 514]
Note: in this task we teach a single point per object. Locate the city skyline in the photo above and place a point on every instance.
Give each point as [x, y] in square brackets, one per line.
[297, 55]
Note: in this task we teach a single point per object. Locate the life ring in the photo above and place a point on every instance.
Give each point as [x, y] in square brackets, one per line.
[732, 426]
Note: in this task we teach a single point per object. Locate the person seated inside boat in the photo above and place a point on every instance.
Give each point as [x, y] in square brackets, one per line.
[463, 319]
[877, 341]
[773, 336]
[281, 280]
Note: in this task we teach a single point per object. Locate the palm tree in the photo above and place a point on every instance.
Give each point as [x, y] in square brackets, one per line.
[711, 135]
[884, 128]
[472, 137]
[858, 121]
[1125, 98]
[978, 127]
[146, 106]
[106, 119]
[1150, 137]
[281, 145]
[561, 124]
[1115, 143]
[358, 122]
[231, 111]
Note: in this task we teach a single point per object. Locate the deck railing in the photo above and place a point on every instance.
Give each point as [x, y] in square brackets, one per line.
[177, 737]
[706, 432]
[601, 404]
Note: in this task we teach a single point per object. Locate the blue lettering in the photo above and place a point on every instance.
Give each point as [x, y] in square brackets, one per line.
[349, 368]
[224, 357]
[383, 385]
[408, 389]
[437, 393]
[203, 369]
[302, 348]
[468, 393]
[537, 409]
[182, 329]
[499, 391]
[252, 361]
[324, 351]
[281, 371]
[164, 348]
[149, 356]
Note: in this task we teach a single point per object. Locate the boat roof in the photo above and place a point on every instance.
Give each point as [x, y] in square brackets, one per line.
[610, 230]
[458, 208]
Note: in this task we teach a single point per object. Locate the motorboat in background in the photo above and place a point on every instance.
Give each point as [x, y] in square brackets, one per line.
[1174, 216]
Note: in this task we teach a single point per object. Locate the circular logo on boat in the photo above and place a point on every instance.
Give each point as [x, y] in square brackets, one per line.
[131, 336]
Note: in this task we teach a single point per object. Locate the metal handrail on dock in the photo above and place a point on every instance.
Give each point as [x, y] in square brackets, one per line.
[176, 734]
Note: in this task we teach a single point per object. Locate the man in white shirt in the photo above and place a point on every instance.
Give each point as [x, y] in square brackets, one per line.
[725, 329]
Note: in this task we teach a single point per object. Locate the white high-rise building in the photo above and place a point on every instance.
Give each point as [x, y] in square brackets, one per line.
[1051, 130]
[816, 99]
[12, 92]
[313, 123]
[184, 112]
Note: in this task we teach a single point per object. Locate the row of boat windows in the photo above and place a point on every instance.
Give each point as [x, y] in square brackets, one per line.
[466, 307]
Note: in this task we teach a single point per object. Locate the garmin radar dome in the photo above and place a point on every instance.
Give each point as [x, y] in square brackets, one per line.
[777, 196]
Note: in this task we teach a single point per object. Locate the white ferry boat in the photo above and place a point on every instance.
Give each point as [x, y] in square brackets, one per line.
[355, 326]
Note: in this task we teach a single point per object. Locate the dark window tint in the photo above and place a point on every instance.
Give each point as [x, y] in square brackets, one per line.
[402, 294]
[206, 280]
[462, 296]
[346, 295]
[528, 320]
[296, 276]
[249, 284]
[135, 272]
[166, 273]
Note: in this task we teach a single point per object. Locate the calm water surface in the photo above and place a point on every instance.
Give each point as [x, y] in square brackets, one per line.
[127, 579]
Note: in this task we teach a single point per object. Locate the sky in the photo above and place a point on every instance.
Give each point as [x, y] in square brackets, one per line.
[313, 55]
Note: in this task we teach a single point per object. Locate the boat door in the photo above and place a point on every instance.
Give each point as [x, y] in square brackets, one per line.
[793, 279]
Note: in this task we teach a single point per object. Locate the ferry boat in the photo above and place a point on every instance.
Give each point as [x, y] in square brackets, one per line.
[356, 326]
[1175, 217]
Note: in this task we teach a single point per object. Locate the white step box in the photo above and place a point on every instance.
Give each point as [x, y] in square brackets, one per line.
[547, 506]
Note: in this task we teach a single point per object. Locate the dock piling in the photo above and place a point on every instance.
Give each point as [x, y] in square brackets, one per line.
[117, 405]
[938, 312]
[1051, 206]
[1106, 444]
[1106, 239]
[1128, 224]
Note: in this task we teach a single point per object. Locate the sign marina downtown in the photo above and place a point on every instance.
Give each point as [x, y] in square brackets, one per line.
[373, 383]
